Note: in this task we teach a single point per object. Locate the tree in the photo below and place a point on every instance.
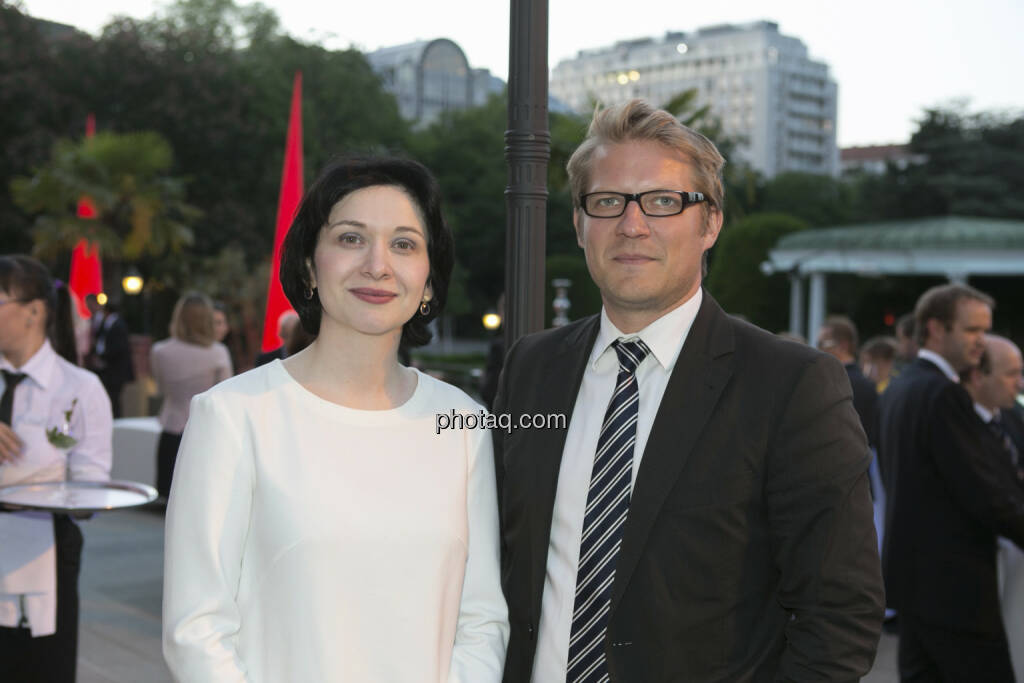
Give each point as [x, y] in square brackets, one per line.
[141, 209]
[34, 110]
[819, 200]
[735, 278]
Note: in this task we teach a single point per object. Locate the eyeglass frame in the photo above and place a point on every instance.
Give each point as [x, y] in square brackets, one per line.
[689, 199]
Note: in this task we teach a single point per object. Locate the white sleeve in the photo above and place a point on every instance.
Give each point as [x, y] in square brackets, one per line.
[207, 524]
[482, 631]
[92, 423]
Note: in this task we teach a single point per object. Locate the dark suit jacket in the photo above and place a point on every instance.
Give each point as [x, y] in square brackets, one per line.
[269, 356]
[951, 490]
[114, 364]
[749, 553]
[865, 401]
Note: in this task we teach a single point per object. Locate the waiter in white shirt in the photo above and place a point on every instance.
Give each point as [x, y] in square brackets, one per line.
[41, 553]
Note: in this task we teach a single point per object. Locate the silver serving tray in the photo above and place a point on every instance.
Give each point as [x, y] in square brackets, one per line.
[76, 496]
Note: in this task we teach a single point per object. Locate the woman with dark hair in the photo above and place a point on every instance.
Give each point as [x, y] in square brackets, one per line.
[186, 364]
[320, 526]
[40, 554]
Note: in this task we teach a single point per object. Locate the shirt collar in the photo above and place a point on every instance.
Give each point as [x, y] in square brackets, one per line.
[664, 337]
[40, 368]
[984, 413]
[941, 362]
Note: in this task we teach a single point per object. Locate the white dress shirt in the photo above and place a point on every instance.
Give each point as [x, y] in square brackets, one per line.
[941, 362]
[27, 554]
[307, 541]
[664, 337]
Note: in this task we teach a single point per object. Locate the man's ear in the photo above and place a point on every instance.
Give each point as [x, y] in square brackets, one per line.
[712, 227]
[577, 217]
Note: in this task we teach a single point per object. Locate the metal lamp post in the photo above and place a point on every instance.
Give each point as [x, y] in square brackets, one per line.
[527, 149]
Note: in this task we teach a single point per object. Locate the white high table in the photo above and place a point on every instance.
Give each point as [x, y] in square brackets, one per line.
[135, 443]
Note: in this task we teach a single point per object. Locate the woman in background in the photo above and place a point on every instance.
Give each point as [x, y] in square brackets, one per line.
[40, 553]
[186, 364]
[320, 527]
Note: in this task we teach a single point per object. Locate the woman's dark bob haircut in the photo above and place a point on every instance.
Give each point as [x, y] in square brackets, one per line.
[340, 178]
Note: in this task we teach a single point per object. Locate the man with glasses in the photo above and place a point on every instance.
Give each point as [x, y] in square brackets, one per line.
[706, 515]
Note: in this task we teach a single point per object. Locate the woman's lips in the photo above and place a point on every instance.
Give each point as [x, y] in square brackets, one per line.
[373, 296]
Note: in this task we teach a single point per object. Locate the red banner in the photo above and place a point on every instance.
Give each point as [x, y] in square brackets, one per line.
[287, 205]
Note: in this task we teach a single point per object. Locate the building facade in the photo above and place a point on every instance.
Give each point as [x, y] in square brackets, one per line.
[769, 95]
[431, 77]
[876, 159]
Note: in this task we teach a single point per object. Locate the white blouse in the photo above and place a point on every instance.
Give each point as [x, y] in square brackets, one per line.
[307, 541]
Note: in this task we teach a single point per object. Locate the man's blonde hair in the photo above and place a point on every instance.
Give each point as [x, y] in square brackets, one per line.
[637, 120]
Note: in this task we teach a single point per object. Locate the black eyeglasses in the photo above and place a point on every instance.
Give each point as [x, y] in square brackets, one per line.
[657, 203]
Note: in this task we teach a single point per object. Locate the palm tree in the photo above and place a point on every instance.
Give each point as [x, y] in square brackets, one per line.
[140, 208]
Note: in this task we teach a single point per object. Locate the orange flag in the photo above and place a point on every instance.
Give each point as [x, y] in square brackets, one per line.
[287, 205]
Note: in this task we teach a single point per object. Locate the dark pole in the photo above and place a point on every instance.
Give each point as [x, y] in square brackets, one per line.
[527, 149]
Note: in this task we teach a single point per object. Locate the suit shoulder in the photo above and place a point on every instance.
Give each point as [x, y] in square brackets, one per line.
[772, 350]
[547, 340]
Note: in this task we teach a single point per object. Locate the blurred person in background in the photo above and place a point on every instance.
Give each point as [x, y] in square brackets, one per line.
[110, 353]
[188, 363]
[221, 328]
[40, 553]
[877, 357]
[838, 338]
[994, 385]
[951, 492]
[287, 323]
[223, 333]
[906, 340]
[321, 526]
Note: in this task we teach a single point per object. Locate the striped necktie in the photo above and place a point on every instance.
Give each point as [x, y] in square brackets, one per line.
[604, 519]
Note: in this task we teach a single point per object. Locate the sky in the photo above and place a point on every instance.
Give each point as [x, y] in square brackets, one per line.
[891, 58]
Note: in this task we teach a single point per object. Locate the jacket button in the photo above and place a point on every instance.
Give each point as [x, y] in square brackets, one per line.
[529, 631]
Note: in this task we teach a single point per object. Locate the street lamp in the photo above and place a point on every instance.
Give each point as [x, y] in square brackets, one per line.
[132, 282]
[492, 321]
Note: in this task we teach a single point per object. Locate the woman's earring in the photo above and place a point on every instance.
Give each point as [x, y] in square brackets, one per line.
[309, 293]
[424, 307]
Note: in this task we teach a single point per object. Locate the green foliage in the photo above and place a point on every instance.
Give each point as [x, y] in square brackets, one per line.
[141, 210]
[819, 200]
[464, 149]
[735, 278]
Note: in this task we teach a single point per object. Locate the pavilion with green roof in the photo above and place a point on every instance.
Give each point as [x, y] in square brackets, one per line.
[955, 247]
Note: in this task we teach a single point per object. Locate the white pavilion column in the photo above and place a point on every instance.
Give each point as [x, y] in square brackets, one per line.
[796, 303]
[957, 278]
[816, 308]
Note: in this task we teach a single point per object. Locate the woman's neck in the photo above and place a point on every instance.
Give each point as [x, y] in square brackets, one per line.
[354, 370]
[23, 351]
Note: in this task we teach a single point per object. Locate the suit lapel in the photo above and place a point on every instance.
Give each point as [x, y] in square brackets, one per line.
[555, 394]
[702, 370]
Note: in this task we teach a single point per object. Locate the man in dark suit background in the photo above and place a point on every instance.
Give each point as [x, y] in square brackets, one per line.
[838, 337]
[110, 351]
[951, 490]
[705, 515]
[287, 324]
